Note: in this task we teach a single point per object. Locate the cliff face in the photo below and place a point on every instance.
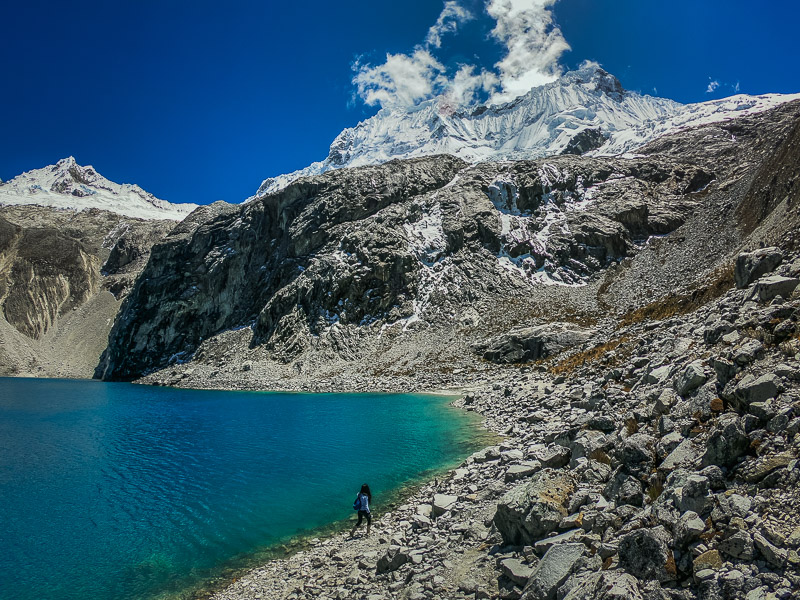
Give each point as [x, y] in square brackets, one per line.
[351, 263]
[57, 299]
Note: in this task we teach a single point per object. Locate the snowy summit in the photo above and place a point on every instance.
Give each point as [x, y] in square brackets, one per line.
[583, 112]
[69, 186]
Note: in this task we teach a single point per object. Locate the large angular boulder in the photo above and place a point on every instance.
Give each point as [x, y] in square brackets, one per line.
[442, 503]
[553, 570]
[533, 343]
[691, 378]
[751, 389]
[739, 546]
[770, 287]
[603, 585]
[645, 554]
[516, 571]
[727, 442]
[638, 451]
[531, 510]
[752, 265]
[394, 558]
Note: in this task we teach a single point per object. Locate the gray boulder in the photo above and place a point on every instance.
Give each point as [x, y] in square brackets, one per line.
[604, 585]
[727, 442]
[739, 546]
[553, 570]
[713, 333]
[751, 389]
[554, 456]
[533, 343]
[586, 444]
[394, 558]
[770, 287]
[686, 455]
[531, 510]
[752, 265]
[691, 378]
[516, 571]
[749, 351]
[688, 528]
[521, 471]
[638, 451]
[774, 555]
[694, 494]
[442, 503]
[705, 401]
[645, 554]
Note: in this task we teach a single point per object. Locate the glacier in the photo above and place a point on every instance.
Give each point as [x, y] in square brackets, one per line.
[540, 123]
[69, 186]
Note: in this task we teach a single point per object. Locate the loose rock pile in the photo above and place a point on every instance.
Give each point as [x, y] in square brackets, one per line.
[667, 468]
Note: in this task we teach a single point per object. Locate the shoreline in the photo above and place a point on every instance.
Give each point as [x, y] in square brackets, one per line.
[338, 539]
[286, 549]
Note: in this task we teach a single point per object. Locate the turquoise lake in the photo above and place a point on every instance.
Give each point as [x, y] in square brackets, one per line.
[119, 491]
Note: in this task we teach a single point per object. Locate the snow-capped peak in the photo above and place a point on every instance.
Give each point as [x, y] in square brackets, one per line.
[585, 111]
[68, 185]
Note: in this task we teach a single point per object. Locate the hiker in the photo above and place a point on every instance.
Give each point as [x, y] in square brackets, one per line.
[362, 506]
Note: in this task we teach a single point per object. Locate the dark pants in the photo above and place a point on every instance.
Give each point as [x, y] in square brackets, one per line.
[361, 515]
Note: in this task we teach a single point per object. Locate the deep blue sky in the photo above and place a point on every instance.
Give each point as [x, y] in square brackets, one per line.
[198, 101]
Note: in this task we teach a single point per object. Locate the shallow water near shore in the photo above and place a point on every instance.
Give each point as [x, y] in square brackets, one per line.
[124, 491]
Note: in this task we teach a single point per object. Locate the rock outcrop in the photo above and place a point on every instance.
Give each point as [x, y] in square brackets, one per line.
[659, 458]
[58, 293]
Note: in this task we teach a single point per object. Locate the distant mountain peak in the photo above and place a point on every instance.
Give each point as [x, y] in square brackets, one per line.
[70, 186]
[549, 120]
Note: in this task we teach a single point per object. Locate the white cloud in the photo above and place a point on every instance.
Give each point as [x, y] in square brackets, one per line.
[466, 84]
[402, 80]
[712, 85]
[451, 17]
[534, 43]
[736, 88]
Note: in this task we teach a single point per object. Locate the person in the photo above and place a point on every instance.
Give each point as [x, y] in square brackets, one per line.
[362, 506]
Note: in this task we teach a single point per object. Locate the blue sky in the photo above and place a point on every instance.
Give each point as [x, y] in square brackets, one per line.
[198, 101]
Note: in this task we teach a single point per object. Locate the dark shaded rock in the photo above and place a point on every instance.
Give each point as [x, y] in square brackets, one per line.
[585, 141]
[739, 545]
[554, 456]
[638, 451]
[691, 378]
[727, 442]
[533, 343]
[645, 554]
[394, 558]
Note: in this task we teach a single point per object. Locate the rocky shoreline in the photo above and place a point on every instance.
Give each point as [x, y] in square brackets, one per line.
[661, 462]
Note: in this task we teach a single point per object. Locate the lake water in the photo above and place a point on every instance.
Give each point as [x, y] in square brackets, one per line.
[118, 491]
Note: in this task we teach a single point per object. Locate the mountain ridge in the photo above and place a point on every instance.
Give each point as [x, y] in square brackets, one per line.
[68, 185]
[541, 123]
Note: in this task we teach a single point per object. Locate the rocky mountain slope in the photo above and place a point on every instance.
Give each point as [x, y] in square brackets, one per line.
[650, 419]
[585, 111]
[62, 277]
[406, 266]
[67, 185]
[659, 463]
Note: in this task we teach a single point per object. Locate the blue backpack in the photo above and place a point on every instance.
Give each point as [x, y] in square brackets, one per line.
[357, 503]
